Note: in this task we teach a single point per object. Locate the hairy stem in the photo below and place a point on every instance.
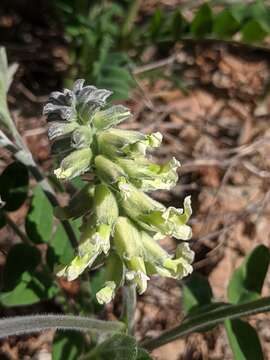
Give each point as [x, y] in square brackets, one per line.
[27, 324]
[130, 301]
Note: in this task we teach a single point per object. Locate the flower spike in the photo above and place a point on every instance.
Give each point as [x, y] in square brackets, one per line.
[121, 224]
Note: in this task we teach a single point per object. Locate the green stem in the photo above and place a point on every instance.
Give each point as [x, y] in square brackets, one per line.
[27, 324]
[214, 317]
[130, 301]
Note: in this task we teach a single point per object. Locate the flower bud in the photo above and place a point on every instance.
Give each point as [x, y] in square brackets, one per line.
[134, 202]
[97, 234]
[113, 276]
[153, 216]
[88, 100]
[148, 176]
[108, 171]
[112, 116]
[76, 163]
[127, 240]
[82, 137]
[138, 148]
[57, 129]
[112, 142]
[88, 251]
[137, 273]
[105, 205]
[160, 262]
[106, 294]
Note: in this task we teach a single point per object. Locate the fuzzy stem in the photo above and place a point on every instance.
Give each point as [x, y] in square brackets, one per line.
[130, 301]
[27, 324]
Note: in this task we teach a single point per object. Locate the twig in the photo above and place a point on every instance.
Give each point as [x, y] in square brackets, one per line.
[16, 229]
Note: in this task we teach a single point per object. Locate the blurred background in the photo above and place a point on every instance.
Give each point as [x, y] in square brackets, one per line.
[198, 72]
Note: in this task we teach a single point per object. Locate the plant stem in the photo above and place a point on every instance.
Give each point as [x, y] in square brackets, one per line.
[27, 324]
[16, 229]
[213, 317]
[130, 301]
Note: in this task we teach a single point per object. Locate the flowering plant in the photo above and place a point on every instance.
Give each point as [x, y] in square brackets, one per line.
[121, 223]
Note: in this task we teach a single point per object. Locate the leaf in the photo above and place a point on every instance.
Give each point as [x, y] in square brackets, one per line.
[14, 186]
[96, 282]
[196, 292]
[23, 285]
[225, 25]
[202, 22]
[21, 258]
[114, 74]
[30, 290]
[61, 250]
[177, 24]
[67, 345]
[39, 220]
[213, 317]
[239, 11]
[244, 341]
[118, 347]
[253, 31]
[247, 281]
[156, 23]
[143, 355]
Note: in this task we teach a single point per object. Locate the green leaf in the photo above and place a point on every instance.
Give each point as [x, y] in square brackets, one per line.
[177, 24]
[61, 250]
[247, 281]
[225, 25]
[14, 186]
[254, 31]
[239, 11]
[21, 258]
[213, 317]
[202, 22]
[23, 285]
[118, 347]
[197, 292]
[96, 282]
[156, 23]
[39, 220]
[244, 341]
[143, 355]
[30, 290]
[67, 345]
